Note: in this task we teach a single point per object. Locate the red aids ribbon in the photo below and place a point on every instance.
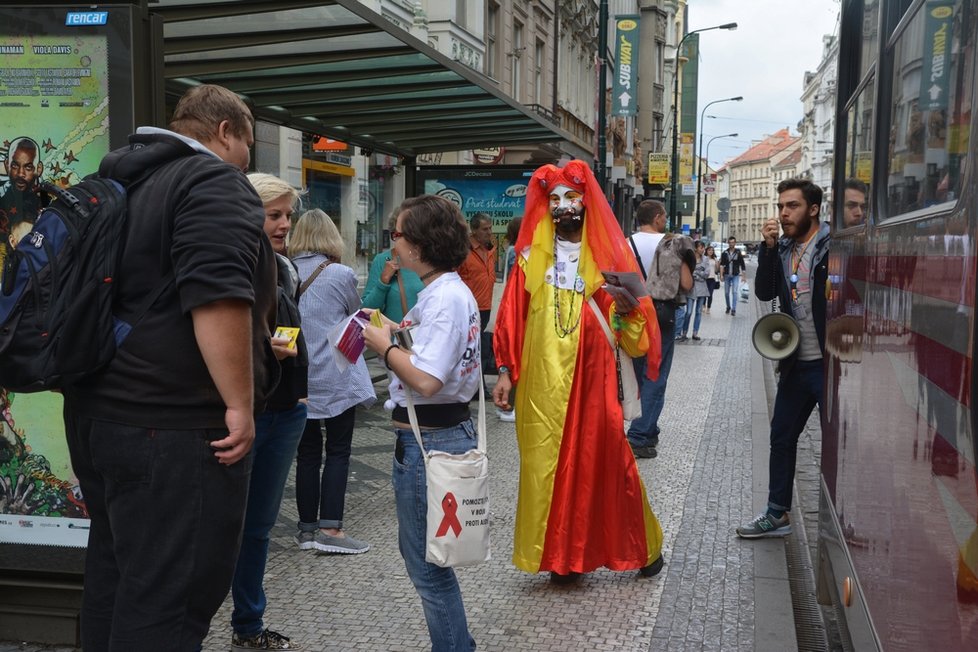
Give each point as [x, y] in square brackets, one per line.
[450, 520]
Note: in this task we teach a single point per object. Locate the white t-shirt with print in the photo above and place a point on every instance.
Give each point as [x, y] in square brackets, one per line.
[446, 342]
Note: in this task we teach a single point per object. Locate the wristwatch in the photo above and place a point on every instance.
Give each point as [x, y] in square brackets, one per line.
[503, 369]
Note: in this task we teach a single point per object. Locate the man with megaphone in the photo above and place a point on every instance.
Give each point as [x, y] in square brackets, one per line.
[794, 270]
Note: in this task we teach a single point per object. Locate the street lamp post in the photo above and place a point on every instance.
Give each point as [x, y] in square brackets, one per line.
[699, 155]
[675, 118]
[707, 207]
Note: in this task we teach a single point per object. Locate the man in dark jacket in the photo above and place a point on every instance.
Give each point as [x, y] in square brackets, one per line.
[793, 269]
[160, 438]
[732, 268]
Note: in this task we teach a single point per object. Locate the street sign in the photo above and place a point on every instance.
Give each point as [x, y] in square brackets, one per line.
[710, 183]
[625, 90]
[723, 203]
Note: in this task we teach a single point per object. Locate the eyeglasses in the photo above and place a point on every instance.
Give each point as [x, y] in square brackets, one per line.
[396, 234]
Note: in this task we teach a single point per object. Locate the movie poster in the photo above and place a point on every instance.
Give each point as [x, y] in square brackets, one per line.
[54, 98]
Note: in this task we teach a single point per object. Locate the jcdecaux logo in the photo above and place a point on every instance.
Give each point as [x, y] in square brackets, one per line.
[86, 18]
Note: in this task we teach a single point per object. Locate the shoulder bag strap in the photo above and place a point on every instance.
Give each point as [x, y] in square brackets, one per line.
[312, 277]
[614, 345]
[641, 265]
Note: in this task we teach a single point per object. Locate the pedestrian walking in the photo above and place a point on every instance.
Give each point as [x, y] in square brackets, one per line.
[733, 269]
[696, 299]
[328, 295]
[712, 282]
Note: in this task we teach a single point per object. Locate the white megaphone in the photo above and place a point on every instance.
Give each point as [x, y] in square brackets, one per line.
[776, 336]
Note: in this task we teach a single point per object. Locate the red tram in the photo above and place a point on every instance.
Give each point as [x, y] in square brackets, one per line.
[898, 519]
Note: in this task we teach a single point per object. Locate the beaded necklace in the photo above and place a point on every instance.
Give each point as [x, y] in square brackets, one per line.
[561, 324]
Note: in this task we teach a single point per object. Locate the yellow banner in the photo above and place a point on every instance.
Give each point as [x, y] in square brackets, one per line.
[658, 169]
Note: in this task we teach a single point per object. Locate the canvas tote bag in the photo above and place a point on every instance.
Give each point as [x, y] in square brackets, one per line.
[458, 498]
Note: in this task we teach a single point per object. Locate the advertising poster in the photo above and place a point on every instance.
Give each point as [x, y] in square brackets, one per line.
[499, 192]
[54, 98]
[658, 169]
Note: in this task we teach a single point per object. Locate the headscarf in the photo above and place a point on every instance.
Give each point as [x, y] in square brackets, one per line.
[602, 239]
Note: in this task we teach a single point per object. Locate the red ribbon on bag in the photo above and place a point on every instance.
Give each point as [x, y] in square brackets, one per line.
[450, 520]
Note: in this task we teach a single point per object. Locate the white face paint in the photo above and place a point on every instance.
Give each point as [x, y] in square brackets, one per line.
[566, 202]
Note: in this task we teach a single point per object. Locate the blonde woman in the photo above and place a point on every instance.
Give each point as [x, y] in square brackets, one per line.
[329, 295]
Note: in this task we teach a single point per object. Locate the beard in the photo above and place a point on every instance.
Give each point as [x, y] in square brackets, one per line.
[568, 220]
[798, 229]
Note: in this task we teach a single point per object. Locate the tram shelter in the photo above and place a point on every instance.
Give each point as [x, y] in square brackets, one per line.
[332, 68]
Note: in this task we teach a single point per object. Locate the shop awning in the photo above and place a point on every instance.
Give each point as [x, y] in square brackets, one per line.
[340, 70]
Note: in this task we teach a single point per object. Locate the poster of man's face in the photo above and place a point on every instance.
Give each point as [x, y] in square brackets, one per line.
[20, 195]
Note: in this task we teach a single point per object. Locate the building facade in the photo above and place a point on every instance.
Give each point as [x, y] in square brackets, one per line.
[751, 183]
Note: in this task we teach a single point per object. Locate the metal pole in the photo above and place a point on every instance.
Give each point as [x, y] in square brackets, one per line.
[674, 169]
[601, 172]
[699, 154]
[708, 163]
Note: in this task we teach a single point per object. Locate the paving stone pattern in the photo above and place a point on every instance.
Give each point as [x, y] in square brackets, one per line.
[700, 488]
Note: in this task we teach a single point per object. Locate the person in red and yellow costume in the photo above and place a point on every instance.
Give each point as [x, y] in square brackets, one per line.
[582, 504]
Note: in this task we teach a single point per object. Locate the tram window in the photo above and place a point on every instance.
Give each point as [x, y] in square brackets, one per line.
[870, 36]
[930, 112]
[859, 157]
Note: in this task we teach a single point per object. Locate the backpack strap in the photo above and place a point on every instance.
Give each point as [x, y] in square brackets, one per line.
[641, 265]
[312, 277]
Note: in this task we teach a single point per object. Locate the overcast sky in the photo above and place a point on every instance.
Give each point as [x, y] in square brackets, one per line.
[764, 60]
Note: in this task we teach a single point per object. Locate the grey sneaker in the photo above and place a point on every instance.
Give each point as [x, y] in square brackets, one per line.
[305, 540]
[266, 640]
[346, 545]
[765, 525]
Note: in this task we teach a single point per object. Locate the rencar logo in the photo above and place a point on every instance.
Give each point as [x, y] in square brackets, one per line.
[86, 18]
[627, 25]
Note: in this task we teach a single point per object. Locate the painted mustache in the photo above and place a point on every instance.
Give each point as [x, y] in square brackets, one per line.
[560, 213]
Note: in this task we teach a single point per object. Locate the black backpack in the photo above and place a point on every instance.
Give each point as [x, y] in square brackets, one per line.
[56, 289]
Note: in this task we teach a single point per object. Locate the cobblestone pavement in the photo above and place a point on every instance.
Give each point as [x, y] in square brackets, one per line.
[702, 485]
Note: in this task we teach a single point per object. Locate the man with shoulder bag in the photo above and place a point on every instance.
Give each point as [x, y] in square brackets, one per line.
[670, 277]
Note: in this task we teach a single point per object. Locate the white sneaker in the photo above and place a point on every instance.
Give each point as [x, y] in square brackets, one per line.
[503, 415]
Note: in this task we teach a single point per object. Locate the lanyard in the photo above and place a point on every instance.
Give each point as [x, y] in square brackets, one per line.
[796, 264]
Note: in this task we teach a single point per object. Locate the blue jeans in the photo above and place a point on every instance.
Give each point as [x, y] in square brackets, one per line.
[644, 431]
[731, 283]
[694, 305]
[276, 437]
[799, 391]
[321, 497]
[438, 587]
[166, 521]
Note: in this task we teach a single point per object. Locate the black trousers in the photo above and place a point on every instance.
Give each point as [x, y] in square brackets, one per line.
[166, 527]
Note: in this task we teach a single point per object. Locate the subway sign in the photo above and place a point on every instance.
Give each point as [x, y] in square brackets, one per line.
[75, 18]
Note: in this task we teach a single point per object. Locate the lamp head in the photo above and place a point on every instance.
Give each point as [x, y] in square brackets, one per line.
[728, 26]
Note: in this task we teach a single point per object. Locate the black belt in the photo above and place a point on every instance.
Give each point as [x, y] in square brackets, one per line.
[435, 415]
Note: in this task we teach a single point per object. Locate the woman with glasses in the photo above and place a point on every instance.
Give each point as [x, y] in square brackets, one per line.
[441, 370]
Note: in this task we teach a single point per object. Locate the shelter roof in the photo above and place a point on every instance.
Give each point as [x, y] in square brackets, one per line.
[338, 69]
